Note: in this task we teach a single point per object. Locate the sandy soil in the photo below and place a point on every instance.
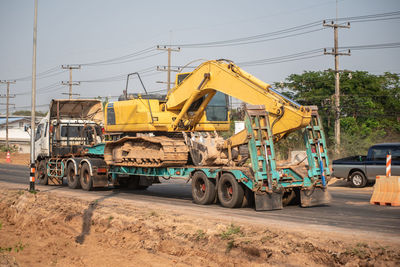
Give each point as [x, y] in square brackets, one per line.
[46, 229]
[16, 158]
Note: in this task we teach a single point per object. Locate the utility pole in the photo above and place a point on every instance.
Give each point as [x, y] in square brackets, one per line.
[168, 69]
[7, 108]
[33, 109]
[335, 52]
[70, 83]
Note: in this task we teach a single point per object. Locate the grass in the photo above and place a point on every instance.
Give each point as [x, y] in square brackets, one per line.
[153, 214]
[358, 250]
[229, 234]
[1, 225]
[17, 248]
[6, 249]
[200, 234]
[230, 231]
[110, 218]
[229, 246]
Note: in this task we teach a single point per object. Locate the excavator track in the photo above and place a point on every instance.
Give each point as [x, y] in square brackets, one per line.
[155, 151]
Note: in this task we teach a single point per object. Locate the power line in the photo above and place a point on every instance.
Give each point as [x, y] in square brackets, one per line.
[255, 38]
[44, 74]
[124, 57]
[125, 61]
[289, 32]
[119, 77]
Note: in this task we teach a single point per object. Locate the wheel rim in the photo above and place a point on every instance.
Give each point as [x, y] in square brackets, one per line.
[200, 187]
[227, 191]
[86, 177]
[71, 175]
[357, 179]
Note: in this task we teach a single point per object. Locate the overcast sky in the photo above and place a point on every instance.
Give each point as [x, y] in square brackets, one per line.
[90, 31]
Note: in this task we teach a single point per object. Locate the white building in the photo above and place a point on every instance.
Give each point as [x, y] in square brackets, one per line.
[17, 136]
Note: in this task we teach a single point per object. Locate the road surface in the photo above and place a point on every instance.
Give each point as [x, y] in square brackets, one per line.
[349, 210]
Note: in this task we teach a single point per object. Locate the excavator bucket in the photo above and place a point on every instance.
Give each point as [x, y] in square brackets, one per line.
[315, 197]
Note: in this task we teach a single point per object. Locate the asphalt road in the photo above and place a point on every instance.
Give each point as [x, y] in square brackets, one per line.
[350, 208]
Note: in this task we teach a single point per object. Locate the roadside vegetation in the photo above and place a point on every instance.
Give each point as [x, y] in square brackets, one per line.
[370, 106]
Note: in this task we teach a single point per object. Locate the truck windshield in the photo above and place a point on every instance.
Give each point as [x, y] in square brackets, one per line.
[75, 131]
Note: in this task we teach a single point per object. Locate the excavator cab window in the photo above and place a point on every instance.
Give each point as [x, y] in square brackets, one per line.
[217, 109]
[181, 76]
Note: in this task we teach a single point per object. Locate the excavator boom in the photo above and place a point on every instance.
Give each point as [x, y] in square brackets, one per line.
[224, 76]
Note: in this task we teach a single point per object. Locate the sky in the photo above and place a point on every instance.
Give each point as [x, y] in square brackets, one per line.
[113, 38]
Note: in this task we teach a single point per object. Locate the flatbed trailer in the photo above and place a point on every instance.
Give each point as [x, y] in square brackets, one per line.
[270, 186]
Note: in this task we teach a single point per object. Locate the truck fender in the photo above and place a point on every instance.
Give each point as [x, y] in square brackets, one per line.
[99, 180]
[89, 163]
[75, 162]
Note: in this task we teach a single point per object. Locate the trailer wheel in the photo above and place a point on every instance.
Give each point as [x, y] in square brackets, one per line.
[358, 179]
[86, 178]
[41, 173]
[72, 179]
[203, 189]
[230, 192]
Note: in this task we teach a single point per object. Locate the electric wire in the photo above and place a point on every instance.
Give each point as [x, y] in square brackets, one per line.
[124, 57]
[289, 32]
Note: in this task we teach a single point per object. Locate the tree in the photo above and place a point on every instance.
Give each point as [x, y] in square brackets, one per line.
[370, 105]
[28, 113]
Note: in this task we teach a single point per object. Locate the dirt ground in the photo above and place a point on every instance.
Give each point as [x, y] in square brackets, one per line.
[16, 158]
[46, 229]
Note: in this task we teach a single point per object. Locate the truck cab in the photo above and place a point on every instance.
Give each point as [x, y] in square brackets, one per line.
[70, 127]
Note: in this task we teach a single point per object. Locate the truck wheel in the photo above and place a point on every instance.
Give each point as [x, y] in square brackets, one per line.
[41, 173]
[358, 179]
[86, 178]
[73, 180]
[203, 189]
[230, 192]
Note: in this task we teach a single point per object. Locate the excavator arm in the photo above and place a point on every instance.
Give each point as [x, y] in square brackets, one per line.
[224, 76]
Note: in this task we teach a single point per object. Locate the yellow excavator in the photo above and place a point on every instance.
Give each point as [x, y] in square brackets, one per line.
[159, 132]
[177, 136]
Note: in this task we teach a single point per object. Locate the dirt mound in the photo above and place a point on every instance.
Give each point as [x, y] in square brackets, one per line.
[46, 229]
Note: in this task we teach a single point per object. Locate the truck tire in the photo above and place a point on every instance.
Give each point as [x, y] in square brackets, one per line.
[357, 179]
[230, 192]
[41, 173]
[72, 179]
[203, 189]
[86, 178]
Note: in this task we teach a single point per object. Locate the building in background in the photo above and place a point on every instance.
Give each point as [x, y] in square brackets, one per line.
[17, 135]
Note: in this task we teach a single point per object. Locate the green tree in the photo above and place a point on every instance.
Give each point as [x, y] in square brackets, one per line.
[28, 113]
[370, 105]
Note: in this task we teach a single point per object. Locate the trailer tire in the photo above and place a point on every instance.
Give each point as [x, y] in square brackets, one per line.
[203, 189]
[357, 179]
[230, 192]
[72, 179]
[41, 173]
[86, 178]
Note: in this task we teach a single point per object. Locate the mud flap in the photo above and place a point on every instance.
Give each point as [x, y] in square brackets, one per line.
[315, 197]
[268, 201]
[100, 180]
